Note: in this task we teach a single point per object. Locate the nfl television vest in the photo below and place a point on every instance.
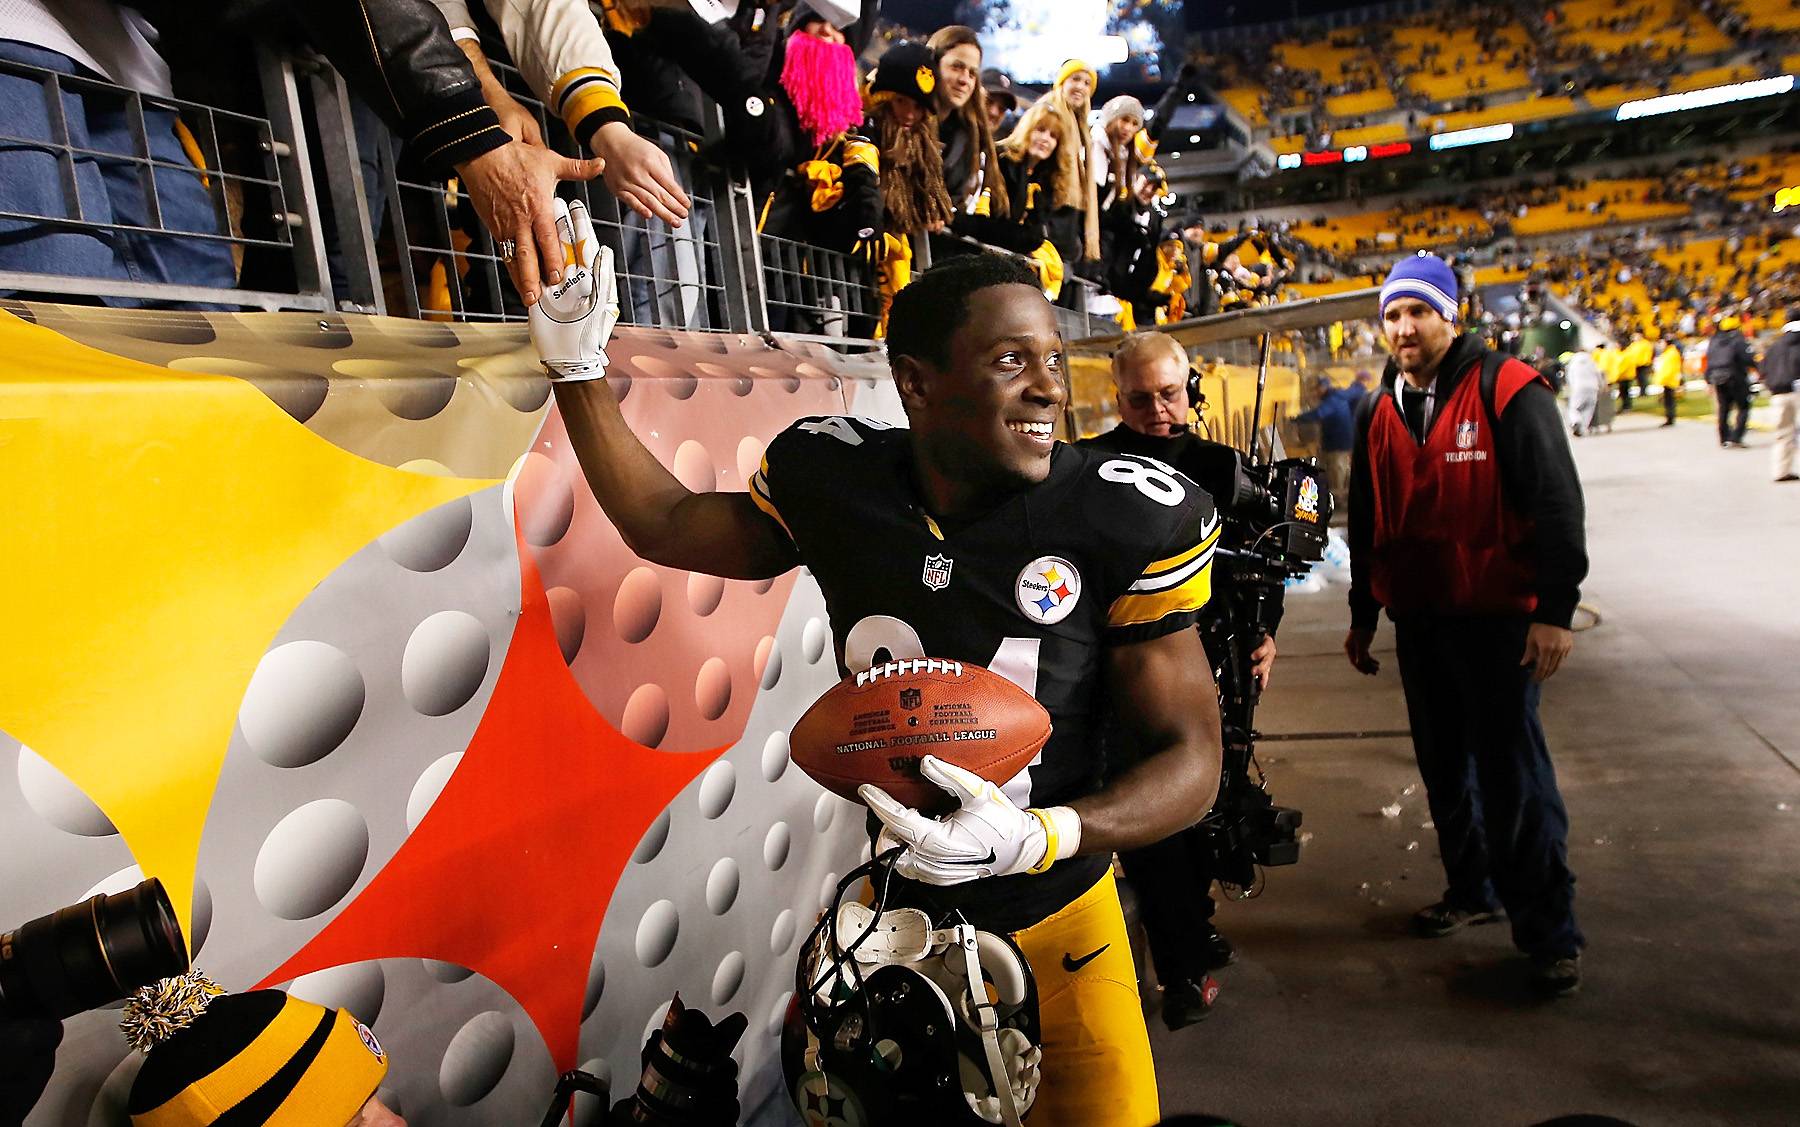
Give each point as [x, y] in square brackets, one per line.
[1445, 541]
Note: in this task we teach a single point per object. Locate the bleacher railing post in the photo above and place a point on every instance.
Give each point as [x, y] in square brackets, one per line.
[745, 304]
[281, 94]
[349, 195]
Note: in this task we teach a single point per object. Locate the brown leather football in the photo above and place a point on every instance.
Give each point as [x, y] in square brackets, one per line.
[874, 727]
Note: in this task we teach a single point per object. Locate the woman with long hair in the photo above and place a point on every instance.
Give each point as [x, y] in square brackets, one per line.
[1072, 97]
[1117, 151]
[970, 161]
[1034, 165]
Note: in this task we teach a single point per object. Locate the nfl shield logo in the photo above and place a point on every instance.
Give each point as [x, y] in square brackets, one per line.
[910, 699]
[937, 572]
[1465, 434]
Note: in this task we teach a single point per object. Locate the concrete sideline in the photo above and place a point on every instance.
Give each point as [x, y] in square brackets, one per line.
[1676, 733]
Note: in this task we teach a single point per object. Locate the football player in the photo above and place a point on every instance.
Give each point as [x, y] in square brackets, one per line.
[971, 534]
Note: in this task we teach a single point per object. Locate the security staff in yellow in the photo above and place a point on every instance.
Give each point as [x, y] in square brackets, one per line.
[971, 534]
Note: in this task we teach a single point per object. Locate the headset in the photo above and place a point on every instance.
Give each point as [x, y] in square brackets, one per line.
[1196, 402]
[897, 1020]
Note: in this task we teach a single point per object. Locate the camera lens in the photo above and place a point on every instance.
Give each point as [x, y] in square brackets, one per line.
[91, 953]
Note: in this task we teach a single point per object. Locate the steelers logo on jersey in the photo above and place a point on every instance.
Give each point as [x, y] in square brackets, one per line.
[1048, 589]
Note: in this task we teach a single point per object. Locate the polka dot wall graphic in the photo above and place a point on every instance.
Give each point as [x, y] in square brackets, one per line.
[729, 876]
[305, 697]
[353, 724]
[311, 859]
[475, 395]
[56, 800]
[358, 712]
[477, 1058]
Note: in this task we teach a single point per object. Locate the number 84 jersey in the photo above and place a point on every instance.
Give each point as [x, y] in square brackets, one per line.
[1108, 550]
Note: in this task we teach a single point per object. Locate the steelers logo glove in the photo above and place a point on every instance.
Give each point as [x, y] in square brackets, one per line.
[987, 836]
[571, 323]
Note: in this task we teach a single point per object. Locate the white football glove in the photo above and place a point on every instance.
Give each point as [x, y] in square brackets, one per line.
[989, 836]
[571, 322]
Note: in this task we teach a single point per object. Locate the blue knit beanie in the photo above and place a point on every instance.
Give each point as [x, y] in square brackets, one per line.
[1426, 277]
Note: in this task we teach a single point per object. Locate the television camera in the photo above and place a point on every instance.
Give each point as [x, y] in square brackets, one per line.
[1274, 515]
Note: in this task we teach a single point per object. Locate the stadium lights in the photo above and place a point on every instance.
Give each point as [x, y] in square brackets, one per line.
[1287, 160]
[1355, 153]
[1193, 138]
[1481, 135]
[1710, 96]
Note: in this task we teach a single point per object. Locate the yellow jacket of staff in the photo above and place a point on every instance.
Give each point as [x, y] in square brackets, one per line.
[1606, 359]
[1667, 368]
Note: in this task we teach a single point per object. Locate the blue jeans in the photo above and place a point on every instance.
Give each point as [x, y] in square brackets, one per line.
[1501, 826]
[106, 191]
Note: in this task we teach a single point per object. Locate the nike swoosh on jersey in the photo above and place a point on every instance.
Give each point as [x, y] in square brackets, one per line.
[1072, 964]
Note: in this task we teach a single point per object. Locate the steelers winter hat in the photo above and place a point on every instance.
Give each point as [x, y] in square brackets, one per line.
[1075, 66]
[908, 68]
[260, 1059]
[1426, 277]
[1120, 107]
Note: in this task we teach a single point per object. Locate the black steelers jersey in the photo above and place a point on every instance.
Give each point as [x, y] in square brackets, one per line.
[1110, 549]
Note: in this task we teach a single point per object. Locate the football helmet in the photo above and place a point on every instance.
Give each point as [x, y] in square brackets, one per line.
[896, 1020]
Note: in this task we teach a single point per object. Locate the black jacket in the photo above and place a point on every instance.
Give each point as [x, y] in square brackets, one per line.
[1537, 479]
[398, 55]
[1129, 233]
[1728, 358]
[1781, 364]
[1028, 193]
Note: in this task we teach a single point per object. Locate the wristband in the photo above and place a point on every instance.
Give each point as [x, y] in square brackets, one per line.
[1062, 834]
[576, 371]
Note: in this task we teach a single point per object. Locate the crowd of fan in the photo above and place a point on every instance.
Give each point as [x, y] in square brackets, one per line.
[1531, 43]
[1712, 191]
[855, 140]
[1635, 285]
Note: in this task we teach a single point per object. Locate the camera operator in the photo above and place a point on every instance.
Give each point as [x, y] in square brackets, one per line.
[1173, 878]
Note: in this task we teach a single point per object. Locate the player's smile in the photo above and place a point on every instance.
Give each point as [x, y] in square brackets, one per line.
[1039, 434]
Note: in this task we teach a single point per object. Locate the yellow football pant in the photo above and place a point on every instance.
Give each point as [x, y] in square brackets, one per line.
[1097, 1070]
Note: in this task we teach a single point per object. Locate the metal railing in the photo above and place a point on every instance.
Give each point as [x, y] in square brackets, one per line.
[156, 199]
[315, 206]
[812, 290]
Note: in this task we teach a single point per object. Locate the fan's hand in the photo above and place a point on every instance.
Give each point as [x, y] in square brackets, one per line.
[572, 321]
[988, 835]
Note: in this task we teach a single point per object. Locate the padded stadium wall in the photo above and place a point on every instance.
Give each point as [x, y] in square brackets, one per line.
[315, 619]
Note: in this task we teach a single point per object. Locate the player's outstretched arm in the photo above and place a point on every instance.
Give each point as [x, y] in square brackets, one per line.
[1164, 693]
[659, 518]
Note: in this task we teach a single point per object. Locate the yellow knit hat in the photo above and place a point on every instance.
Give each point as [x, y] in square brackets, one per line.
[267, 1058]
[1076, 66]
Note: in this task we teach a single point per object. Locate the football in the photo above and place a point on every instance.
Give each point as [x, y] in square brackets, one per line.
[874, 727]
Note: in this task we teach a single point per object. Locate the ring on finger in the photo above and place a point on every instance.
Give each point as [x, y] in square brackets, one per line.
[509, 249]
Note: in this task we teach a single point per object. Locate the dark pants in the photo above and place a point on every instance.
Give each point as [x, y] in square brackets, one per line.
[1501, 826]
[1173, 882]
[1733, 396]
[101, 187]
[1624, 395]
[1669, 404]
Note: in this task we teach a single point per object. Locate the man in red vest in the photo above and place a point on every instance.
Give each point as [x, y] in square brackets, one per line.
[1466, 523]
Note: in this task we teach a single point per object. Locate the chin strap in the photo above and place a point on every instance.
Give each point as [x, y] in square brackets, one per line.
[987, 1023]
